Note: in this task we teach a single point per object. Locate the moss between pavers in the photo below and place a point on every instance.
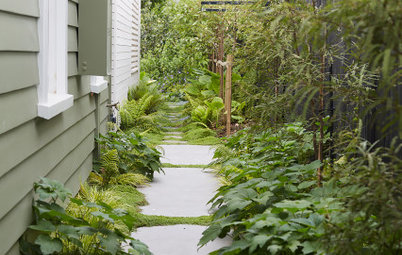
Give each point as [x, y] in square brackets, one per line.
[168, 165]
[156, 220]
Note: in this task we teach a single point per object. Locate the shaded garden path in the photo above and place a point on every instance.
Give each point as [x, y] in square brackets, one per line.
[184, 191]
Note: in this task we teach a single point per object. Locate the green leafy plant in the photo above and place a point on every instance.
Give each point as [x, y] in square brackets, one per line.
[57, 232]
[370, 188]
[265, 206]
[215, 106]
[173, 42]
[133, 152]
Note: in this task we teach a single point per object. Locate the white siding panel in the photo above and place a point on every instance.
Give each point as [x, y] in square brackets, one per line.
[126, 20]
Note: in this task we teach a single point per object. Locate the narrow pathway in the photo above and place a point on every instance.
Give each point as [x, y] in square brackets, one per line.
[182, 191]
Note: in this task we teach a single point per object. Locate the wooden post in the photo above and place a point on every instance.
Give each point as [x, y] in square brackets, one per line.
[228, 93]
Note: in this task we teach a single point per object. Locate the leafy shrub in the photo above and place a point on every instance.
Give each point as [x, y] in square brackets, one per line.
[264, 205]
[145, 85]
[145, 88]
[60, 233]
[109, 165]
[139, 113]
[133, 152]
[143, 108]
[172, 41]
[271, 203]
[205, 105]
[370, 180]
[197, 133]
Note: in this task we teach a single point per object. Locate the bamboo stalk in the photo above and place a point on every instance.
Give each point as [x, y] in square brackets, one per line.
[228, 93]
[220, 57]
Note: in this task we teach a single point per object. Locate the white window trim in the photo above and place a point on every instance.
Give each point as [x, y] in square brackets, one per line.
[52, 89]
[98, 84]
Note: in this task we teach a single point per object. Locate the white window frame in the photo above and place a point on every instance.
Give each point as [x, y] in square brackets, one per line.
[52, 59]
[97, 83]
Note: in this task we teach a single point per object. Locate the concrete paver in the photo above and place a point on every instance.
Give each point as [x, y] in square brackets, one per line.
[174, 133]
[172, 137]
[180, 192]
[187, 154]
[177, 240]
[174, 142]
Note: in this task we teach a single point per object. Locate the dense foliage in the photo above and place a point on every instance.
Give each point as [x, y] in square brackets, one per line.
[271, 202]
[315, 186]
[124, 153]
[60, 232]
[172, 42]
[309, 80]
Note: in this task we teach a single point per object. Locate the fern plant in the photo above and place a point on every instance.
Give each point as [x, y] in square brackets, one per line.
[59, 232]
[133, 152]
[109, 165]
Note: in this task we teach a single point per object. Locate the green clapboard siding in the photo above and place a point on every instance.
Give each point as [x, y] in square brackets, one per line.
[41, 163]
[72, 64]
[103, 111]
[72, 14]
[15, 250]
[18, 70]
[76, 88]
[20, 102]
[30, 147]
[104, 96]
[33, 135]
[23, 7]
[103, 127]
[21, 33]
[17, 221]
[21, 215]
[72, 39]
[80, 154]
[73, 183]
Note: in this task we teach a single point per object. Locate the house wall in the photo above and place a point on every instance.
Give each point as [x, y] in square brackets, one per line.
[30, 147]
[126, 18]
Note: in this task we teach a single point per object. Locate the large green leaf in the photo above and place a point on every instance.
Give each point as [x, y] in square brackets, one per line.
[294, 205]
[49, 245]
[240, 204]
[205, 80]
[139, 247]
[258, 241]
[111, 243]
[306, 184]
[274, 248]
[211, 233]
[44, 226]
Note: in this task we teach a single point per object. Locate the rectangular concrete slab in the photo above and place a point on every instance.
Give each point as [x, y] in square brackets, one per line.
[172, 137]
[187, 154]
[177, 240]
[180, 192]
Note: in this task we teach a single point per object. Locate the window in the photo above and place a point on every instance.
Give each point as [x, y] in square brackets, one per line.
[52, 89]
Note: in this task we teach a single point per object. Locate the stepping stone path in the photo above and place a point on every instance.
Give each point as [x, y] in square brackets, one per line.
[180, 192]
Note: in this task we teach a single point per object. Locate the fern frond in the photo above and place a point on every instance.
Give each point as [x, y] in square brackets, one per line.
[109, 165]
[95, 179]
[131, 179]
